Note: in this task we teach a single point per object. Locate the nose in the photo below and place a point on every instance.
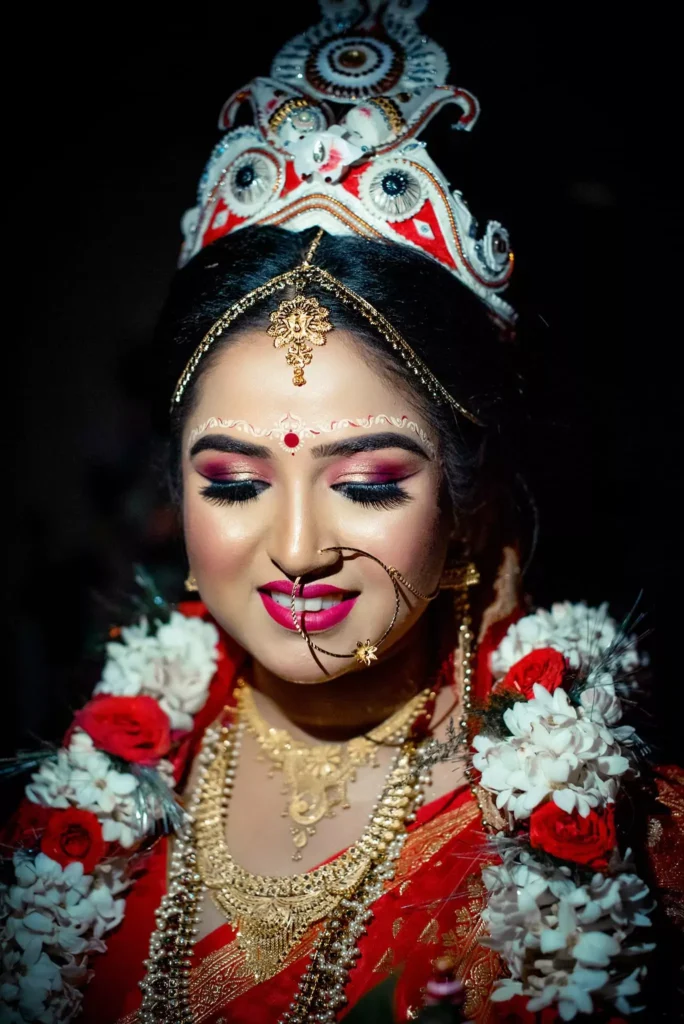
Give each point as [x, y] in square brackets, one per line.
[298, 537]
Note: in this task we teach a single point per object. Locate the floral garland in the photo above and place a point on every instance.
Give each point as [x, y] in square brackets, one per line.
[565, 910]
[103, 796]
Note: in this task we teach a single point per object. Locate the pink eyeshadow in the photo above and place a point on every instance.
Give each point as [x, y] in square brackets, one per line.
[221, 468]
[376, 472]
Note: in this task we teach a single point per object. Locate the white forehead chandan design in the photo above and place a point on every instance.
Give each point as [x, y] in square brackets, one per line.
[291, 432]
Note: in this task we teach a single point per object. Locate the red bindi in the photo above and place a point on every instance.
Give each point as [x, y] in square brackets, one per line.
[291, 440]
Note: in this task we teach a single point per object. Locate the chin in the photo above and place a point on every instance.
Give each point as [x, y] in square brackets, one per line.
[289, 658]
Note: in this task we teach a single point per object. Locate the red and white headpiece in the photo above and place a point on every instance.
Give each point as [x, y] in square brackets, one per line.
[298, 167]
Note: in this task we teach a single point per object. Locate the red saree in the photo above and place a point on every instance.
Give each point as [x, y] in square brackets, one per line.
[430, 908]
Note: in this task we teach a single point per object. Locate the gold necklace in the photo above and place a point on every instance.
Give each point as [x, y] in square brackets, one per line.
[316, 776]
[166, 984]
[270, 913]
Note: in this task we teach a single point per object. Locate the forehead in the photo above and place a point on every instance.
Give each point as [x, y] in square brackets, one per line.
[250, 379]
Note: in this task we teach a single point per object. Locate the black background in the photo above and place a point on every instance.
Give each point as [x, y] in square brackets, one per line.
[110, 124]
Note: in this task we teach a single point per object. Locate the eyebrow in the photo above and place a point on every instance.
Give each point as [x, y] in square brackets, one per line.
[223, 443]
[368, 443]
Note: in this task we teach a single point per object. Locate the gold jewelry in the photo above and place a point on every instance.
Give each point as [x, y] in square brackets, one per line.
[191, 585]
[317, 775]
[395, 574]
[299, 323]
[298, 278]
[364, 653]
[459, 577]
[270, 914]
[165, 986]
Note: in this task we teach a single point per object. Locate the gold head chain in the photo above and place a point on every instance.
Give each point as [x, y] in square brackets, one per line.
[302, 323]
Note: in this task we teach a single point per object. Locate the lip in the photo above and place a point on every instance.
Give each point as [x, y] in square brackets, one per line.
[308, 590]
[315, 622]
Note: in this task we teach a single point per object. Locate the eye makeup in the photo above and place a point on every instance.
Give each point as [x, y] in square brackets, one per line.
[373, 482]
[369, 479]
[230, 480]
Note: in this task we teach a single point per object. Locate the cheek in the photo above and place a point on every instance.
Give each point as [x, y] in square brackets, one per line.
[417, 545]
[217, 542]
[414, 538]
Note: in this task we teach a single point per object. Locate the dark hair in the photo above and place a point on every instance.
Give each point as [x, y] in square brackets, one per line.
[447, 325]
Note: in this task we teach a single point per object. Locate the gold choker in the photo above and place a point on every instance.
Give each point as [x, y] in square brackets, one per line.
[317, 775]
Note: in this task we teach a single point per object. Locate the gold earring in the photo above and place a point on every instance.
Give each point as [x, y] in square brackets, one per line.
[191, 585]
[459, 577]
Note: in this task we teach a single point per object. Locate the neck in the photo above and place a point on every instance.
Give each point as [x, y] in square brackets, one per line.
[357, 701]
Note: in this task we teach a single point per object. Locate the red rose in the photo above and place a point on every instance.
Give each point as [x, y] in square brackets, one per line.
[134, 728]
[73, 835]
[24, 830]
[571, 837]
[544, 666]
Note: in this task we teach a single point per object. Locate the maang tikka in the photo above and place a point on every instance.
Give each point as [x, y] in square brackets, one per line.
[300, 323]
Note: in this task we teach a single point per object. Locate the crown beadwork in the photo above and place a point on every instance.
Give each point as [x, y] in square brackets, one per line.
[366, 173]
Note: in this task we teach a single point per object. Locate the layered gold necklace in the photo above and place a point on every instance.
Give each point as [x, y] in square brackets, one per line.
[317, 776]
[270, 914]
[341, 892]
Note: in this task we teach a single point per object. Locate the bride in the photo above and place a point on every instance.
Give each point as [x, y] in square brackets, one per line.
[389, 766]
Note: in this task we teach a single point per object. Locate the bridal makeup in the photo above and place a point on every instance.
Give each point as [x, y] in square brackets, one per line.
[256, 518]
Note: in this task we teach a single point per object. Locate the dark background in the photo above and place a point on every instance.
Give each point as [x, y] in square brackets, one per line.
[110, 126]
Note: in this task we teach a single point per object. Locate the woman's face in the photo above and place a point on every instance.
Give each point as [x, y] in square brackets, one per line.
[273, 474]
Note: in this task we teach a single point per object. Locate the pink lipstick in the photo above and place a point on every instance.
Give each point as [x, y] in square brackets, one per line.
[319, 605]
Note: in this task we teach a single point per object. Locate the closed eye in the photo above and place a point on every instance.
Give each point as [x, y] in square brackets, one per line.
[233, 492]
[387, 495]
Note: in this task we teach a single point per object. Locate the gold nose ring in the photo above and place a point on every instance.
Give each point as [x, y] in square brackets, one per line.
[365, 652]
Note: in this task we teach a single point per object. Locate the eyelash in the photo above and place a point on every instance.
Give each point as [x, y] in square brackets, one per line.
[233, 492]
[238, 492]
[385, 496]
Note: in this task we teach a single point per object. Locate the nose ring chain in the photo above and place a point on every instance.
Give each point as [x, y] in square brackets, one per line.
[365, 652]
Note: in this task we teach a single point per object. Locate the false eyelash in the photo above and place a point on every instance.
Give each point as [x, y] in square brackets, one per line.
[233, 492]
[381, 496]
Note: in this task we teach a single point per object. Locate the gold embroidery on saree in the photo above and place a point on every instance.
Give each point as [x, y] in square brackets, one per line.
[476, 966]
[425, 842]
[430, 932]
[385, 963]
[223, 976]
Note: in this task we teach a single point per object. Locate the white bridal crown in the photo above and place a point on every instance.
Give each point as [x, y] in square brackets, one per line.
[334, 145]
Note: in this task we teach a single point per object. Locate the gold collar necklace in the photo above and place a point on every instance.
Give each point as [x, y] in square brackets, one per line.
[317, 775]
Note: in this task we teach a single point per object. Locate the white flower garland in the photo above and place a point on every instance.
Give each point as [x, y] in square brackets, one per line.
[567, 933]
[53, 918]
